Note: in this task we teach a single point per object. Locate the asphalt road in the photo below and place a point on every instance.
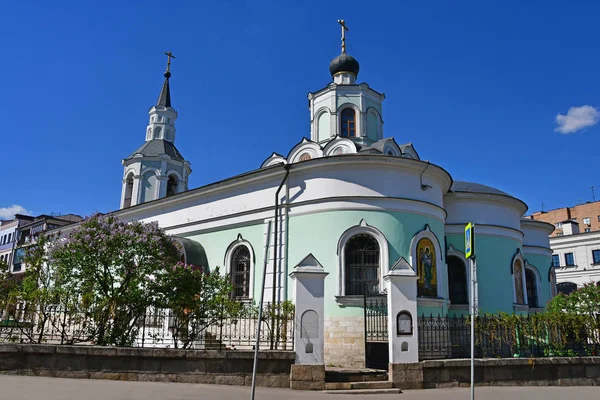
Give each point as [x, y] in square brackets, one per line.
[27, 388]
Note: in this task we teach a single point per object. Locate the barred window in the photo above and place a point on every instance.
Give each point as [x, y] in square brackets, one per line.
[361, 265]
[531, 287]
[457, 281]
[348, 123]
[240, 272]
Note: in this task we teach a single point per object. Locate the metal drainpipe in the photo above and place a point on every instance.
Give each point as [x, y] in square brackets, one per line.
[275, 252]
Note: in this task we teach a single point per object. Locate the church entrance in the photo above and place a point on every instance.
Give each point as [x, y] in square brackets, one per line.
[376, 333]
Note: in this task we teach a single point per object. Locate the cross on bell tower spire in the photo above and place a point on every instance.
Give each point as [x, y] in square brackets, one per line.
[344, 30]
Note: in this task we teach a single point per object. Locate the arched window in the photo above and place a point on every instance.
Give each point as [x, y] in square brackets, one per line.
[518, 277]
[361, 265]
[348, 123]
[566, 287]
[240, 272]
[532, 288]
[172, 185]
[128, 191]
[157, 133]
[457, 281]
[426, 269]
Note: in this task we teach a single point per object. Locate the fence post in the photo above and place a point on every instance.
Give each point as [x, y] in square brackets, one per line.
[144, 326]
[309, 278]
[221, 326]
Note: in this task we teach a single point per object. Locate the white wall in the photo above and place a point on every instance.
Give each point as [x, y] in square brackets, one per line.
[584, 271]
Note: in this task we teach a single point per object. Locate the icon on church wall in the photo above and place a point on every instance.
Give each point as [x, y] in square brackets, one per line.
[426, 269]
[305, 157]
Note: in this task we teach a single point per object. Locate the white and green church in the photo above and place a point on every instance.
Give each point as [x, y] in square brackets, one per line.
[353, 206]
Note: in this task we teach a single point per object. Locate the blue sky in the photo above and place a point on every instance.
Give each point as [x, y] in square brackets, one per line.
[476, 86]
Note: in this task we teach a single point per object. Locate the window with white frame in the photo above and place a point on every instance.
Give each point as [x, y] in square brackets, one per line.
[532, 289]
[240, 272]
[361, 265]
[569, 260]
[586, 220]
[596, 256]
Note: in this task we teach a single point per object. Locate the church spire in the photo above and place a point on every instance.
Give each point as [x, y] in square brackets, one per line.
[164, 99]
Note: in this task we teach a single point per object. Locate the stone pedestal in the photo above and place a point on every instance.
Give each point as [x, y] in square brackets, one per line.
[309, 285]
[402, 313]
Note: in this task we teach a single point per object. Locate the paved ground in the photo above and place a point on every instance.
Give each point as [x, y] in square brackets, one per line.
[26, 388]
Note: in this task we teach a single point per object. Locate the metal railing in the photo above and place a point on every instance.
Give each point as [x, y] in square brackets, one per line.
[495, 337]
[159, 328]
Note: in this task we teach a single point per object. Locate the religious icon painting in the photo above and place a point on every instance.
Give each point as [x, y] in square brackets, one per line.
[426, 269]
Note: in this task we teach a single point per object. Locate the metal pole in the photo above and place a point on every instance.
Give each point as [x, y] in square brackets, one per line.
[473, 287]
[260, 309]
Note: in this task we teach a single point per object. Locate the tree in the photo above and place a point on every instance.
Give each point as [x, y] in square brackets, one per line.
[580, 312]
[110, 266]
[197, 299]
[8, 293]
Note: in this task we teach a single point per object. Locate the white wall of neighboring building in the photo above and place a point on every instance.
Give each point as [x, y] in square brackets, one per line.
[581, 245]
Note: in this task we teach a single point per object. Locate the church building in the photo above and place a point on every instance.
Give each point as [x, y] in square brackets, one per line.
[352, 200]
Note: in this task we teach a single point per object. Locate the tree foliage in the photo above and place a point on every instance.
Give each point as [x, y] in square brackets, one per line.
[196, 298]
[108, 265]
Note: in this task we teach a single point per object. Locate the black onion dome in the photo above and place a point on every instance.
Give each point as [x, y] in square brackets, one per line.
[344, 63]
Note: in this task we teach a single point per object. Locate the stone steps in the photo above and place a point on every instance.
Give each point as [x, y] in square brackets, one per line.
[358, 385]
[364, 391]
[355, 375]
[358, 381]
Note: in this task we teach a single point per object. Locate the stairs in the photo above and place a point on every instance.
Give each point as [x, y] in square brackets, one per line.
[358, 381]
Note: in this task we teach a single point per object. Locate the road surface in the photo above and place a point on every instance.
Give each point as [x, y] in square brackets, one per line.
[27, 388]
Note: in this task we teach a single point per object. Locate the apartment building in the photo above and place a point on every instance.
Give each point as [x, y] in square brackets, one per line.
[586, 215]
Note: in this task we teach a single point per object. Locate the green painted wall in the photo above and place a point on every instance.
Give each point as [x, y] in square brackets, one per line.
[216, 243]
[352, 99]
[319, 234]
[494, 257]
[542, 264]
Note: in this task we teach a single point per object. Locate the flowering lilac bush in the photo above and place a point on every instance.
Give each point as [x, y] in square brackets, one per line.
[111, 267]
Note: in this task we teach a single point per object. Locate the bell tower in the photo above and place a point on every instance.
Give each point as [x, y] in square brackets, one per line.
[345, 108]
[156, 169]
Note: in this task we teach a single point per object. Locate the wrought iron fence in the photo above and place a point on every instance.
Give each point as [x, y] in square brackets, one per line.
[376, 320]
[513, 336]
[159, 328]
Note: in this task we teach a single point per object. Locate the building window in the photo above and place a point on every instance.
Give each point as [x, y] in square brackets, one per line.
[531, 287]
[128, 191]
[559, 234]
[426, 269]
[172, 185]
[555, 260]
[240, 272]
[457, 281]
[586, 230]
[9, 237]
[569, 259]
[598, 218]
[348, 123]
[518, 277]
[566, 287]
[586, 220]
[558, 224]
[596, 256]
[361, 264]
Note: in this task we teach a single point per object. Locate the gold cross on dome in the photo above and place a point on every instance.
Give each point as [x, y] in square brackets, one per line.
[344, 29]
[169, 55]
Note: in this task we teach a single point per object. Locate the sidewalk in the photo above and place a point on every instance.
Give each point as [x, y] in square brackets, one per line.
[27, 388]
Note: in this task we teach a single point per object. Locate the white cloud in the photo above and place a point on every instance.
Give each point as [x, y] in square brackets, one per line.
[576, 119]
[9, 212]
